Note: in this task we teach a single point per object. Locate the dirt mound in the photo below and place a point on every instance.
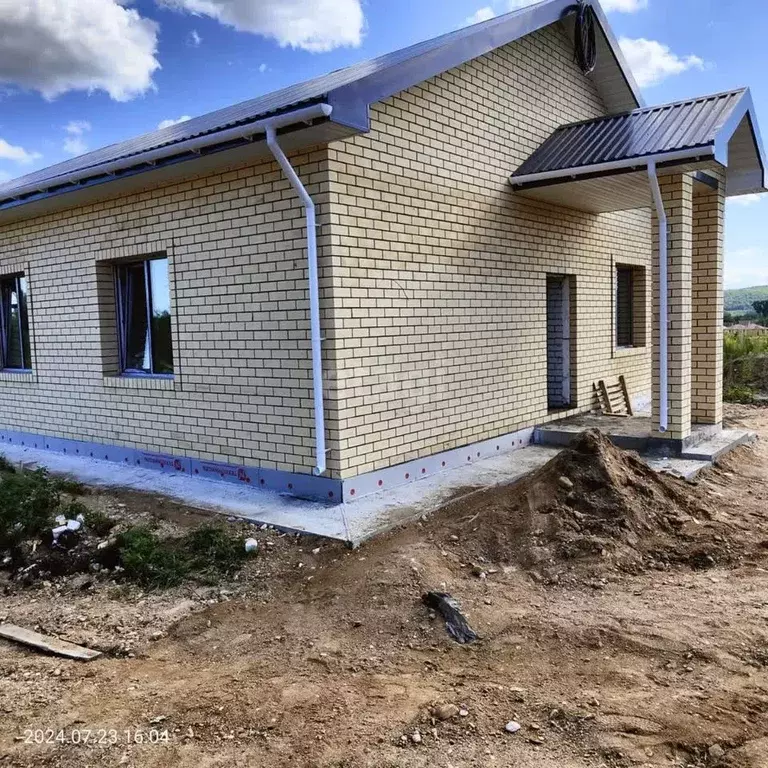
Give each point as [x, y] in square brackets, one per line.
[592, 501]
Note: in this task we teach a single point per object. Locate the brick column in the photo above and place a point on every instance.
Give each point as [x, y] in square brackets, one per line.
[707, 353]
[677, 193]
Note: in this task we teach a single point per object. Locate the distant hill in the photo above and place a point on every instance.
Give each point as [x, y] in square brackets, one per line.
[742, 298]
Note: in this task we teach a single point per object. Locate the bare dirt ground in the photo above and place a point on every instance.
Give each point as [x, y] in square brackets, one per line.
[623, 622]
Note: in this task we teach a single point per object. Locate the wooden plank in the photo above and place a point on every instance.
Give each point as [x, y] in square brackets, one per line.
[46, 643]
[623, 383]
[607, 400]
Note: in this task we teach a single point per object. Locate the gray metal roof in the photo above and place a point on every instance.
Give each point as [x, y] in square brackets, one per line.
[647, 132]
[350, 91]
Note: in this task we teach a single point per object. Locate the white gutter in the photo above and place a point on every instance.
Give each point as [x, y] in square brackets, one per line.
[636, 163]
[661, 215]
[314, 296]
[197, 144]
[269, 127]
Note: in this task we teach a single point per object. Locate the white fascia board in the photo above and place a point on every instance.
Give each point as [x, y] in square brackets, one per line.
[631, 163]
[351, 103]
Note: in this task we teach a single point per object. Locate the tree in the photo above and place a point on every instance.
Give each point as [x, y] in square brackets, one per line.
[761, 307]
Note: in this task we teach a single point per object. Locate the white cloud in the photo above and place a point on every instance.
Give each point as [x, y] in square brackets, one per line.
[168, 123]
[263, 68]
[314, 25]
[622, 6]
[54, 46]
[17, 154]
[75, 144]
[745, 200]
[77, 127]
[481, 14]
[652, 61]
[194, 38]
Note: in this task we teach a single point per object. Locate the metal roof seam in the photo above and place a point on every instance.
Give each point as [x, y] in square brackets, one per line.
[688, 124]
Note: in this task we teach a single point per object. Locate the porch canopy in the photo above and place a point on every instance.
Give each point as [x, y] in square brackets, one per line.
[681, 160]
[602, 165]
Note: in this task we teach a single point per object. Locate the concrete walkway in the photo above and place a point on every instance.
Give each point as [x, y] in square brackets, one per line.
[352, 523]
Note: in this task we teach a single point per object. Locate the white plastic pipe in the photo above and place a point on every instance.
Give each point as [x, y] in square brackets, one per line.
[314, 296]
[661, 215]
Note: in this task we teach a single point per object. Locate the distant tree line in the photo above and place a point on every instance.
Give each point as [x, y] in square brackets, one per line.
[758, 314]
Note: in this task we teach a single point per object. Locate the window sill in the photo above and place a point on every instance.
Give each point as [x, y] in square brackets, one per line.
[140, 382]
[9, 374]
[629, 351]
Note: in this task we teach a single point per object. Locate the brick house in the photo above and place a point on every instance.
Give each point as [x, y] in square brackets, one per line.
[454, 247]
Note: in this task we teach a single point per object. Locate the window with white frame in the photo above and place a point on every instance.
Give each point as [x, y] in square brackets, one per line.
[15, 352]
[143, 303]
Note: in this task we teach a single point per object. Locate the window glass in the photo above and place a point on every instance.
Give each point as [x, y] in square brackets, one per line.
[624, 301]
[162, 348]
[137, 327]
[14, 324]
[144, 309]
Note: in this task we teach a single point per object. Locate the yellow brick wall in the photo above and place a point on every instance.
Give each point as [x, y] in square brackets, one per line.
[433, 276]
[242, 390]
[707, 301]
[438, 326]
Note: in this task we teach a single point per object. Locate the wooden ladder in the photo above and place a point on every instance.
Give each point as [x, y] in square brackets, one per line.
[613, 397]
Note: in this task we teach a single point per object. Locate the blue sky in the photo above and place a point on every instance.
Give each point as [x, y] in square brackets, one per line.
[79, 74]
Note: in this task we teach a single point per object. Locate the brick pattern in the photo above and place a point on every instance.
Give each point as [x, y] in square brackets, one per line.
[438, 320]
[433, 278]
[242, 391]
[707, 331]
[677, 195]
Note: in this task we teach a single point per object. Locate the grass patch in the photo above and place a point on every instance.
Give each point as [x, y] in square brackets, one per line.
[150, 561]
[28, 503]
[95, 521]
[745, 366]
[205, 554]
[743, 395]
[72, 487]
[31, 500]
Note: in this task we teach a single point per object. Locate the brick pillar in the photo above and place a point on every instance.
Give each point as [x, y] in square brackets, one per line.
[677, 193]
[707, 353]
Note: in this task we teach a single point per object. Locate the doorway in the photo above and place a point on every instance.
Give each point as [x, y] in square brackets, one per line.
[559, 341]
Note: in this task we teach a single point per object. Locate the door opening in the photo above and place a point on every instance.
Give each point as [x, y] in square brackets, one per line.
[559, 341]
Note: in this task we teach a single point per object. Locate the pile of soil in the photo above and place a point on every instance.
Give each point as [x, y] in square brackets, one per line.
[592, 502]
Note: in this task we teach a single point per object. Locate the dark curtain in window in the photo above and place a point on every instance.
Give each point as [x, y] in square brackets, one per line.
[144, 309]
[14, 324]
[624, 313]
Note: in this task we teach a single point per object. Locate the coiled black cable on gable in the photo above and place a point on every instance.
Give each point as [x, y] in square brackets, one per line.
[585, 43]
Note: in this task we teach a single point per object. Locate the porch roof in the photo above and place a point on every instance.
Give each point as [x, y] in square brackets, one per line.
[600, 165]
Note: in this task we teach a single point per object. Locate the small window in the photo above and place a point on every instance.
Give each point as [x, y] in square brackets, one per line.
[625, 315]
[14, 324]
[144, 317]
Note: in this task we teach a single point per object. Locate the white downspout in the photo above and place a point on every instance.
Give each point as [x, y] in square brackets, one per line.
[314, 295]
[661, 215]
